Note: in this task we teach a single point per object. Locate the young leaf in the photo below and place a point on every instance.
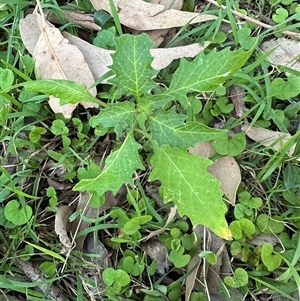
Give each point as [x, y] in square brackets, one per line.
[272, 262]
[239, 279]
[118, 115]
[231, 146]
[17, 214]
[68, 91]
[242, 228]
[186, 182]
[169, 128]
[119, 167]
[205, 72]
[132, 65]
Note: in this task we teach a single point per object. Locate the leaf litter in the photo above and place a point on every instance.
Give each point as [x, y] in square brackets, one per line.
[155, 17]
[142, 16]
[51, 48]
[51, 52]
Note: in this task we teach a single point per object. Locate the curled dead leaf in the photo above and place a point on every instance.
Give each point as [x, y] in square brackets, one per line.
[158, 35]
[61, 226]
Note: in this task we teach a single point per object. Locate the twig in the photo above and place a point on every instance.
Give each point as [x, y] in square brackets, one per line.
[261, 24]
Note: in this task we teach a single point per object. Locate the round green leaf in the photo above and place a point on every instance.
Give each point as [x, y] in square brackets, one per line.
[35, 134]
[59, 128]
[239, 279]
[17, 214]
[231, 146]
[269, 226]
[209, 256]
[242, 228]
[6, 78]
[48, 268]
[280, 16]
[179, 260]
[272, 262]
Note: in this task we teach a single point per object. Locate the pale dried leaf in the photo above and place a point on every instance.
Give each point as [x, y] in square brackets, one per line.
[58, 186]
[61, 226]
[268, 138]
[82, 19]
[171, 215]
[140, 15]
[213, 276]
[164, 56]
[78, 224]
[158, 35]
[225, 169]
[100, 260]
[286, 54]
[262, 238]
[34, 274]
[30, 29]
[175, 4]
[99, 59]
[52, 60]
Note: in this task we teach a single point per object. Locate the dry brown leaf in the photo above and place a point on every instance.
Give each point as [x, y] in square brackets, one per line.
[286, 53]
[171, 215]
[58, 186]
[225, 169]
[140, 15]
[192, 272]
[83, 19]
[262, 238]
[269, 138]
[157, 250]
[177, 4]
[237, 95]
[61, 226]
[52, 59]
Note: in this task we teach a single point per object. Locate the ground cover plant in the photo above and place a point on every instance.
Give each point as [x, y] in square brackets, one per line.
[149, 151]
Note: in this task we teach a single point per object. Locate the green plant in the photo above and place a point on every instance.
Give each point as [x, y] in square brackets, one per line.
[139, 121]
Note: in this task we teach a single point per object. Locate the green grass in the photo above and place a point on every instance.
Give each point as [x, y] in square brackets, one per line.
[135, 147]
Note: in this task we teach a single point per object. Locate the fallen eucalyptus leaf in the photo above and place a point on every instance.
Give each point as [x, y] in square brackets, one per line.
[268, 138]
[286, 53]
[141, 15]
[51, 52]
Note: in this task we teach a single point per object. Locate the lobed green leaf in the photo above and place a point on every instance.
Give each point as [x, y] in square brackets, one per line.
[183, 176]
[119, 167]
[169, 128]
[206, 72]
[132, 65]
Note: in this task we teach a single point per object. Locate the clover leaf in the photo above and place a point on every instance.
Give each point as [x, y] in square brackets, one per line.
[239, 279]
